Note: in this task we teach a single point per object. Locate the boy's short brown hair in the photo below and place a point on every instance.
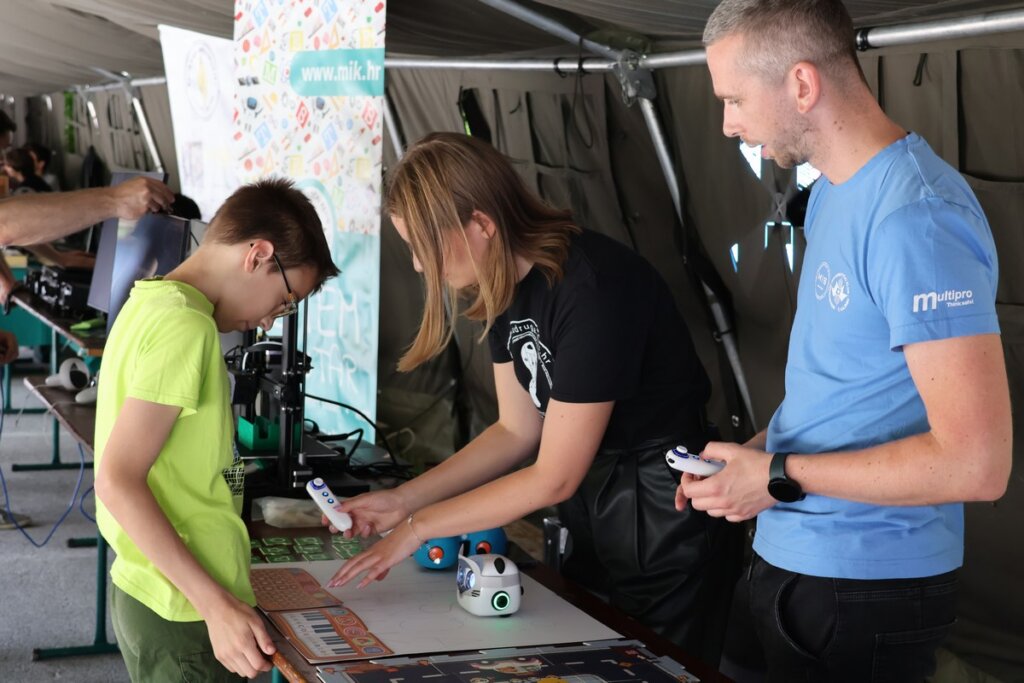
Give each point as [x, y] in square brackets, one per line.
[274, 210]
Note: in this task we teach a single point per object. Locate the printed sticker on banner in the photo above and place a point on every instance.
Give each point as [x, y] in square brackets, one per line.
[367, 37]
[302, 114]
[263, 134]
[363, 168]
[329, 9]
[330, 136]
[270, 72]
[261, 13]
[370, 114]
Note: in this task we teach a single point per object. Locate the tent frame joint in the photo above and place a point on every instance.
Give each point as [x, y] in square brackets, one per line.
[635, 80]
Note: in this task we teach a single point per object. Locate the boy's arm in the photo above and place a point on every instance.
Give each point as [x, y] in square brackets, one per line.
[140, 431]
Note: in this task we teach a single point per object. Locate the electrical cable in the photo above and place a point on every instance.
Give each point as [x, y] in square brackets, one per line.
[7, 498]
[383, 436]
[81, 501]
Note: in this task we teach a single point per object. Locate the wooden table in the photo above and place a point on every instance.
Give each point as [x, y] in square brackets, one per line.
[78, 419]
[90, 342]
[294, 668]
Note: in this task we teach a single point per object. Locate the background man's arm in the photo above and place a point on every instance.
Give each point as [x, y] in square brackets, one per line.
[44, 217]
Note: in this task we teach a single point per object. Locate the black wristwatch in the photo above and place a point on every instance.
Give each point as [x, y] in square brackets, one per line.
[781, 487]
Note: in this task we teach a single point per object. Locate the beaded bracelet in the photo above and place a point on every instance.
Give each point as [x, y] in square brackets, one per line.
[413, 530]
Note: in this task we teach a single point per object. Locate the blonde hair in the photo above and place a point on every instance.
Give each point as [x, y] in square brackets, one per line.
[435, 188]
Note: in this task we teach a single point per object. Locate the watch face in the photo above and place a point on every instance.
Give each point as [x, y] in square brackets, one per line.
[785, 490]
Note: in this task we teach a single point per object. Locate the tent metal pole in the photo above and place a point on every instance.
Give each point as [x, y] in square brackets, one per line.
[941, 29]
[566, 64]
[134, 83]
[717, 311]
[392, 125]
[684, 58]
[549, 25]
[147, 134]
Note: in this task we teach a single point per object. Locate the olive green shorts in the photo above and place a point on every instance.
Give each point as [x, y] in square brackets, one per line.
[156, 650]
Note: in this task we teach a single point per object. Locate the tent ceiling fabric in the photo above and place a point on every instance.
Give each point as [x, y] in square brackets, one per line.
[48, 45]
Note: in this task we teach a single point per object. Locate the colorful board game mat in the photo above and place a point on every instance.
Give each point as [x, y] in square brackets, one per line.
[615, 661]
[315, 622]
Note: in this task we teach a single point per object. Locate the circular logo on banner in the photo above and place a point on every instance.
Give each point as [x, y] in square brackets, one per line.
[821, 280]
[839, 292]
[202, 86]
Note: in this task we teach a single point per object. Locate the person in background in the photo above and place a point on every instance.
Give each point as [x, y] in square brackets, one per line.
[42, 155]
[897, 403]
[7, 130]
[20, 167]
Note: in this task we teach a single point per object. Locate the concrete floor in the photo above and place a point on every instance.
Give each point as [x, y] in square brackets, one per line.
[49, 593]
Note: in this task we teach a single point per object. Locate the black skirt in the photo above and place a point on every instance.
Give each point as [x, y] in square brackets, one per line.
[672, 571]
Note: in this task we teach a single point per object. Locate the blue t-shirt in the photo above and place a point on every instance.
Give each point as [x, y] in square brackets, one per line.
[899, 253]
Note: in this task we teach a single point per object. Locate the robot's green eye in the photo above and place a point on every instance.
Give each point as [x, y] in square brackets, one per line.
[500, 600]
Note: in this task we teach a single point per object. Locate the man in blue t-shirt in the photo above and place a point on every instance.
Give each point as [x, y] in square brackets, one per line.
[897, 404]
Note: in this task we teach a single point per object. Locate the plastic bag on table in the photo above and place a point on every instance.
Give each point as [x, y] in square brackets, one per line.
[286, 513]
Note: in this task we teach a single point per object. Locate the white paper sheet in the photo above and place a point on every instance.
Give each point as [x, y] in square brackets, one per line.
[414, 610]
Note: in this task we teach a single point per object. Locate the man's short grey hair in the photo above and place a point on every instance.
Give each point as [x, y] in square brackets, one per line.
[780, 33]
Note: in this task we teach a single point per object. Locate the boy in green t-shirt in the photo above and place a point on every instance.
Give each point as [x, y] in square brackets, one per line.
[167, 486]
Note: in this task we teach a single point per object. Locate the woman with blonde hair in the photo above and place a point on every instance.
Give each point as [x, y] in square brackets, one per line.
[595, 375]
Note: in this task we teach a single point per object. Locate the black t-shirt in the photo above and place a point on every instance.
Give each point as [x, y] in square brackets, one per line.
[609, 330]
[32, 183]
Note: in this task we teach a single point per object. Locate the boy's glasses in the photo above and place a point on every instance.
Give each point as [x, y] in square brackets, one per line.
[292, 305]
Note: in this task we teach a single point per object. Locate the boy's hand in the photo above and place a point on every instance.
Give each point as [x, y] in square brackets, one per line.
[239, 637]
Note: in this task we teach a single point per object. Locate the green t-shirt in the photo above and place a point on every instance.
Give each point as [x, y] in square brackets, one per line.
[164, 348]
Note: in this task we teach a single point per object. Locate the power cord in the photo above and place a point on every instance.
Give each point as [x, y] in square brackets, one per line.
[81, 501]
[383, 436]
[7, 497]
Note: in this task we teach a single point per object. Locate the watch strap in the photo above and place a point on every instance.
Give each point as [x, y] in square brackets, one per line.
[777, 469]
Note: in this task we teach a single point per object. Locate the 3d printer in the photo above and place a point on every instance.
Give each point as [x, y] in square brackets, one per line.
[269, 380]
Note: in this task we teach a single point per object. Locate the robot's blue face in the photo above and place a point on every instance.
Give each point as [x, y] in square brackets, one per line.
[465, 578]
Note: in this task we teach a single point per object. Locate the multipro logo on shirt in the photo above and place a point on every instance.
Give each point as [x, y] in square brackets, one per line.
[835, 287]
[529, 353]
[953, 298]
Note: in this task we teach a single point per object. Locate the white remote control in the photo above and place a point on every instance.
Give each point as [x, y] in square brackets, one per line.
[328, 504]
[682, 460]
